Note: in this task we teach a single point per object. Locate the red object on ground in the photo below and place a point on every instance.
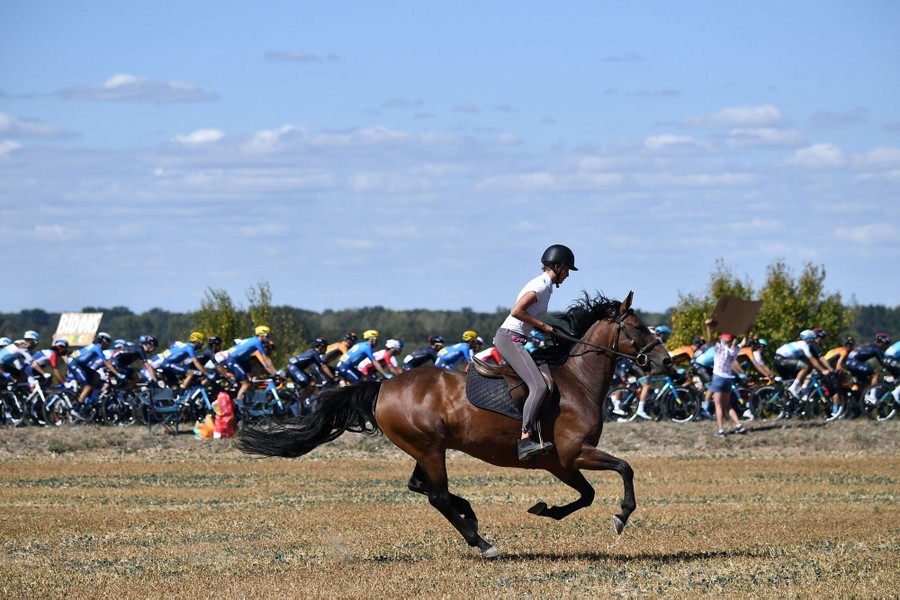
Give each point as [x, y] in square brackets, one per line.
[225, 418]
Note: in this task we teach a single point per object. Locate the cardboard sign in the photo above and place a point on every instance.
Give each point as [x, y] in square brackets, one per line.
[78, 328]
[735, 316]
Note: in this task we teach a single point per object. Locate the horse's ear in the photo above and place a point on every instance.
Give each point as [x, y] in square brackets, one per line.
[627, 303]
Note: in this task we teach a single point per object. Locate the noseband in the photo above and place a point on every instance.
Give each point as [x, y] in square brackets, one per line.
[643, 354]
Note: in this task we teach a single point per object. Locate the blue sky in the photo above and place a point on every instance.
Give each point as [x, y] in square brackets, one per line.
[417, 156]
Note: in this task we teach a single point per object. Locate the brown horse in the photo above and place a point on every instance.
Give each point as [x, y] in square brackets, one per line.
[425, 412]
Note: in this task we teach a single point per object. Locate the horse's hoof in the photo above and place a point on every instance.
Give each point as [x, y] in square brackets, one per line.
[618, 524]
[538, 509]
[491, 552]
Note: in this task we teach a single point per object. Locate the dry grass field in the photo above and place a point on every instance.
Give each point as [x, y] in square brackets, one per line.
[802, 511]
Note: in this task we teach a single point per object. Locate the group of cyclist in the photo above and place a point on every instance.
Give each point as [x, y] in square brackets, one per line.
[204, 359]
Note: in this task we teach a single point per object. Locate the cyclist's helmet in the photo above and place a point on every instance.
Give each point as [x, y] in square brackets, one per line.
[557, 253]
[849, 342]
[393, 345]
[436, 339]
[268, 345]
[479, 341]
[469, 335]
[369, 334]
[262, 330]
[103, 338]
[196, 336]
[119, 344]
[149, 339]
[820, 333]
[5, 341]
[351, 337]
[883, 338]
[214, 340]
[62, 345]
[663, 330]
[807, 335]
[698, 341]
[320, 342]
[32, 336]
[763, 342]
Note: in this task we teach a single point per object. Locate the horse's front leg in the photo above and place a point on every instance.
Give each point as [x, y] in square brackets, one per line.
[595, 460]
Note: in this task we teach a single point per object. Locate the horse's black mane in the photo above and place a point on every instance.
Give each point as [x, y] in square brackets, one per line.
[576, 320]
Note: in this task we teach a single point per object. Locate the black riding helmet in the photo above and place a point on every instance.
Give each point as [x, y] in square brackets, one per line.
[556, 255]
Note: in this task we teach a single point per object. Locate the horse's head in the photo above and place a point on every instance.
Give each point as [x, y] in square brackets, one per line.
[635, 339]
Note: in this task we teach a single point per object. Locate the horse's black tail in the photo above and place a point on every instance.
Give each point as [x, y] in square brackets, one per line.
[343, 409]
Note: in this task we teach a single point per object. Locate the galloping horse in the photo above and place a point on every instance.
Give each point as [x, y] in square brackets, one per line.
[425, 412]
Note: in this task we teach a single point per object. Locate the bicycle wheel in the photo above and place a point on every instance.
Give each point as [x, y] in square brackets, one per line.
[627, 404]
[117, 409]
[14, 408]
[57, 409]
[741, 402]
[769, 402]
[681, 405]
[878, 402]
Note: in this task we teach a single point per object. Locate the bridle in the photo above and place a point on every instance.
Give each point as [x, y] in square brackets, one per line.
[642, 359]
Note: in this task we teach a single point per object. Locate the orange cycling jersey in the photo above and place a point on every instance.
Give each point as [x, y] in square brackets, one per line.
[837, 354]
[684, 352]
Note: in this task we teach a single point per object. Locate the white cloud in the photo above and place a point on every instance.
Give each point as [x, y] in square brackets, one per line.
[270, 140]
[878, 158]
[668, 143]
[817, 156]
[54, 232]
[8, 146]
[765, 137]
[201, 136]
[764, 115]
[15, 127]
[129, 88]
[868, 235]
[698, 180]
[298, 56]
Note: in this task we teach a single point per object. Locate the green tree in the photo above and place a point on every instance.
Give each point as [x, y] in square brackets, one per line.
[689, 316]
[219, 316]
[287, 332]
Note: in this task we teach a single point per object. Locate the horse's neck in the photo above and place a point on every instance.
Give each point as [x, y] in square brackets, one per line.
[591, 368]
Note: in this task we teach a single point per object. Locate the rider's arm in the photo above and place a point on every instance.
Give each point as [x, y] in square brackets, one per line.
[520, 312]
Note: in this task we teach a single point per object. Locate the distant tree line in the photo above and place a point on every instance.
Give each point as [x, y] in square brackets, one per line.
[789, 304]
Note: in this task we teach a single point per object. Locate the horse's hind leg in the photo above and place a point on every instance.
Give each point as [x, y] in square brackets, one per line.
[418, 482]
[455, 509]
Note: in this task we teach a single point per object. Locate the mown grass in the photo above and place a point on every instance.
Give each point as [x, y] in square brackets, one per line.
[799, 512]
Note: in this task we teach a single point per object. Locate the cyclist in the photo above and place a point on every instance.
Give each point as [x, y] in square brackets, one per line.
[347, 365]
[238, 361]
[451, 357]
[387, 357]
[311, 359]
[490, 356]
[83, 367]
[52, 357]
[686, 353]
[793, 361]
[892, 358]
[419, 357]
[179, 357]
[338, 349]
[752, 354]
[124, 357]
[836, 357]
[532, 301]
[16, 360]
[857, 360]
[662, 334]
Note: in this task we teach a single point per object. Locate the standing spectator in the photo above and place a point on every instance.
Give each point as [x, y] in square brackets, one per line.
[727, 349]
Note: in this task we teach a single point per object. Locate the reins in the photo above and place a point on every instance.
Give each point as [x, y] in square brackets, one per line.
[642, 358]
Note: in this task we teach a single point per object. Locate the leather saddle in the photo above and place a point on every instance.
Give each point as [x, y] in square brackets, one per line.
[498, 388]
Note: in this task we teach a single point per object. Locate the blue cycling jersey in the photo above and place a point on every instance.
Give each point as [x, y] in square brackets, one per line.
[306, 359]
[178, 353]
[706, 357]
[88, 356]
[357, 353]
[245, 349]
[450, 356]
[893, 351]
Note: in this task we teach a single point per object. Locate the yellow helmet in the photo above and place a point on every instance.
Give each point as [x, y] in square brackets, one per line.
[262, 330]
[469, 335]
[196, 337]
[370, 333]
